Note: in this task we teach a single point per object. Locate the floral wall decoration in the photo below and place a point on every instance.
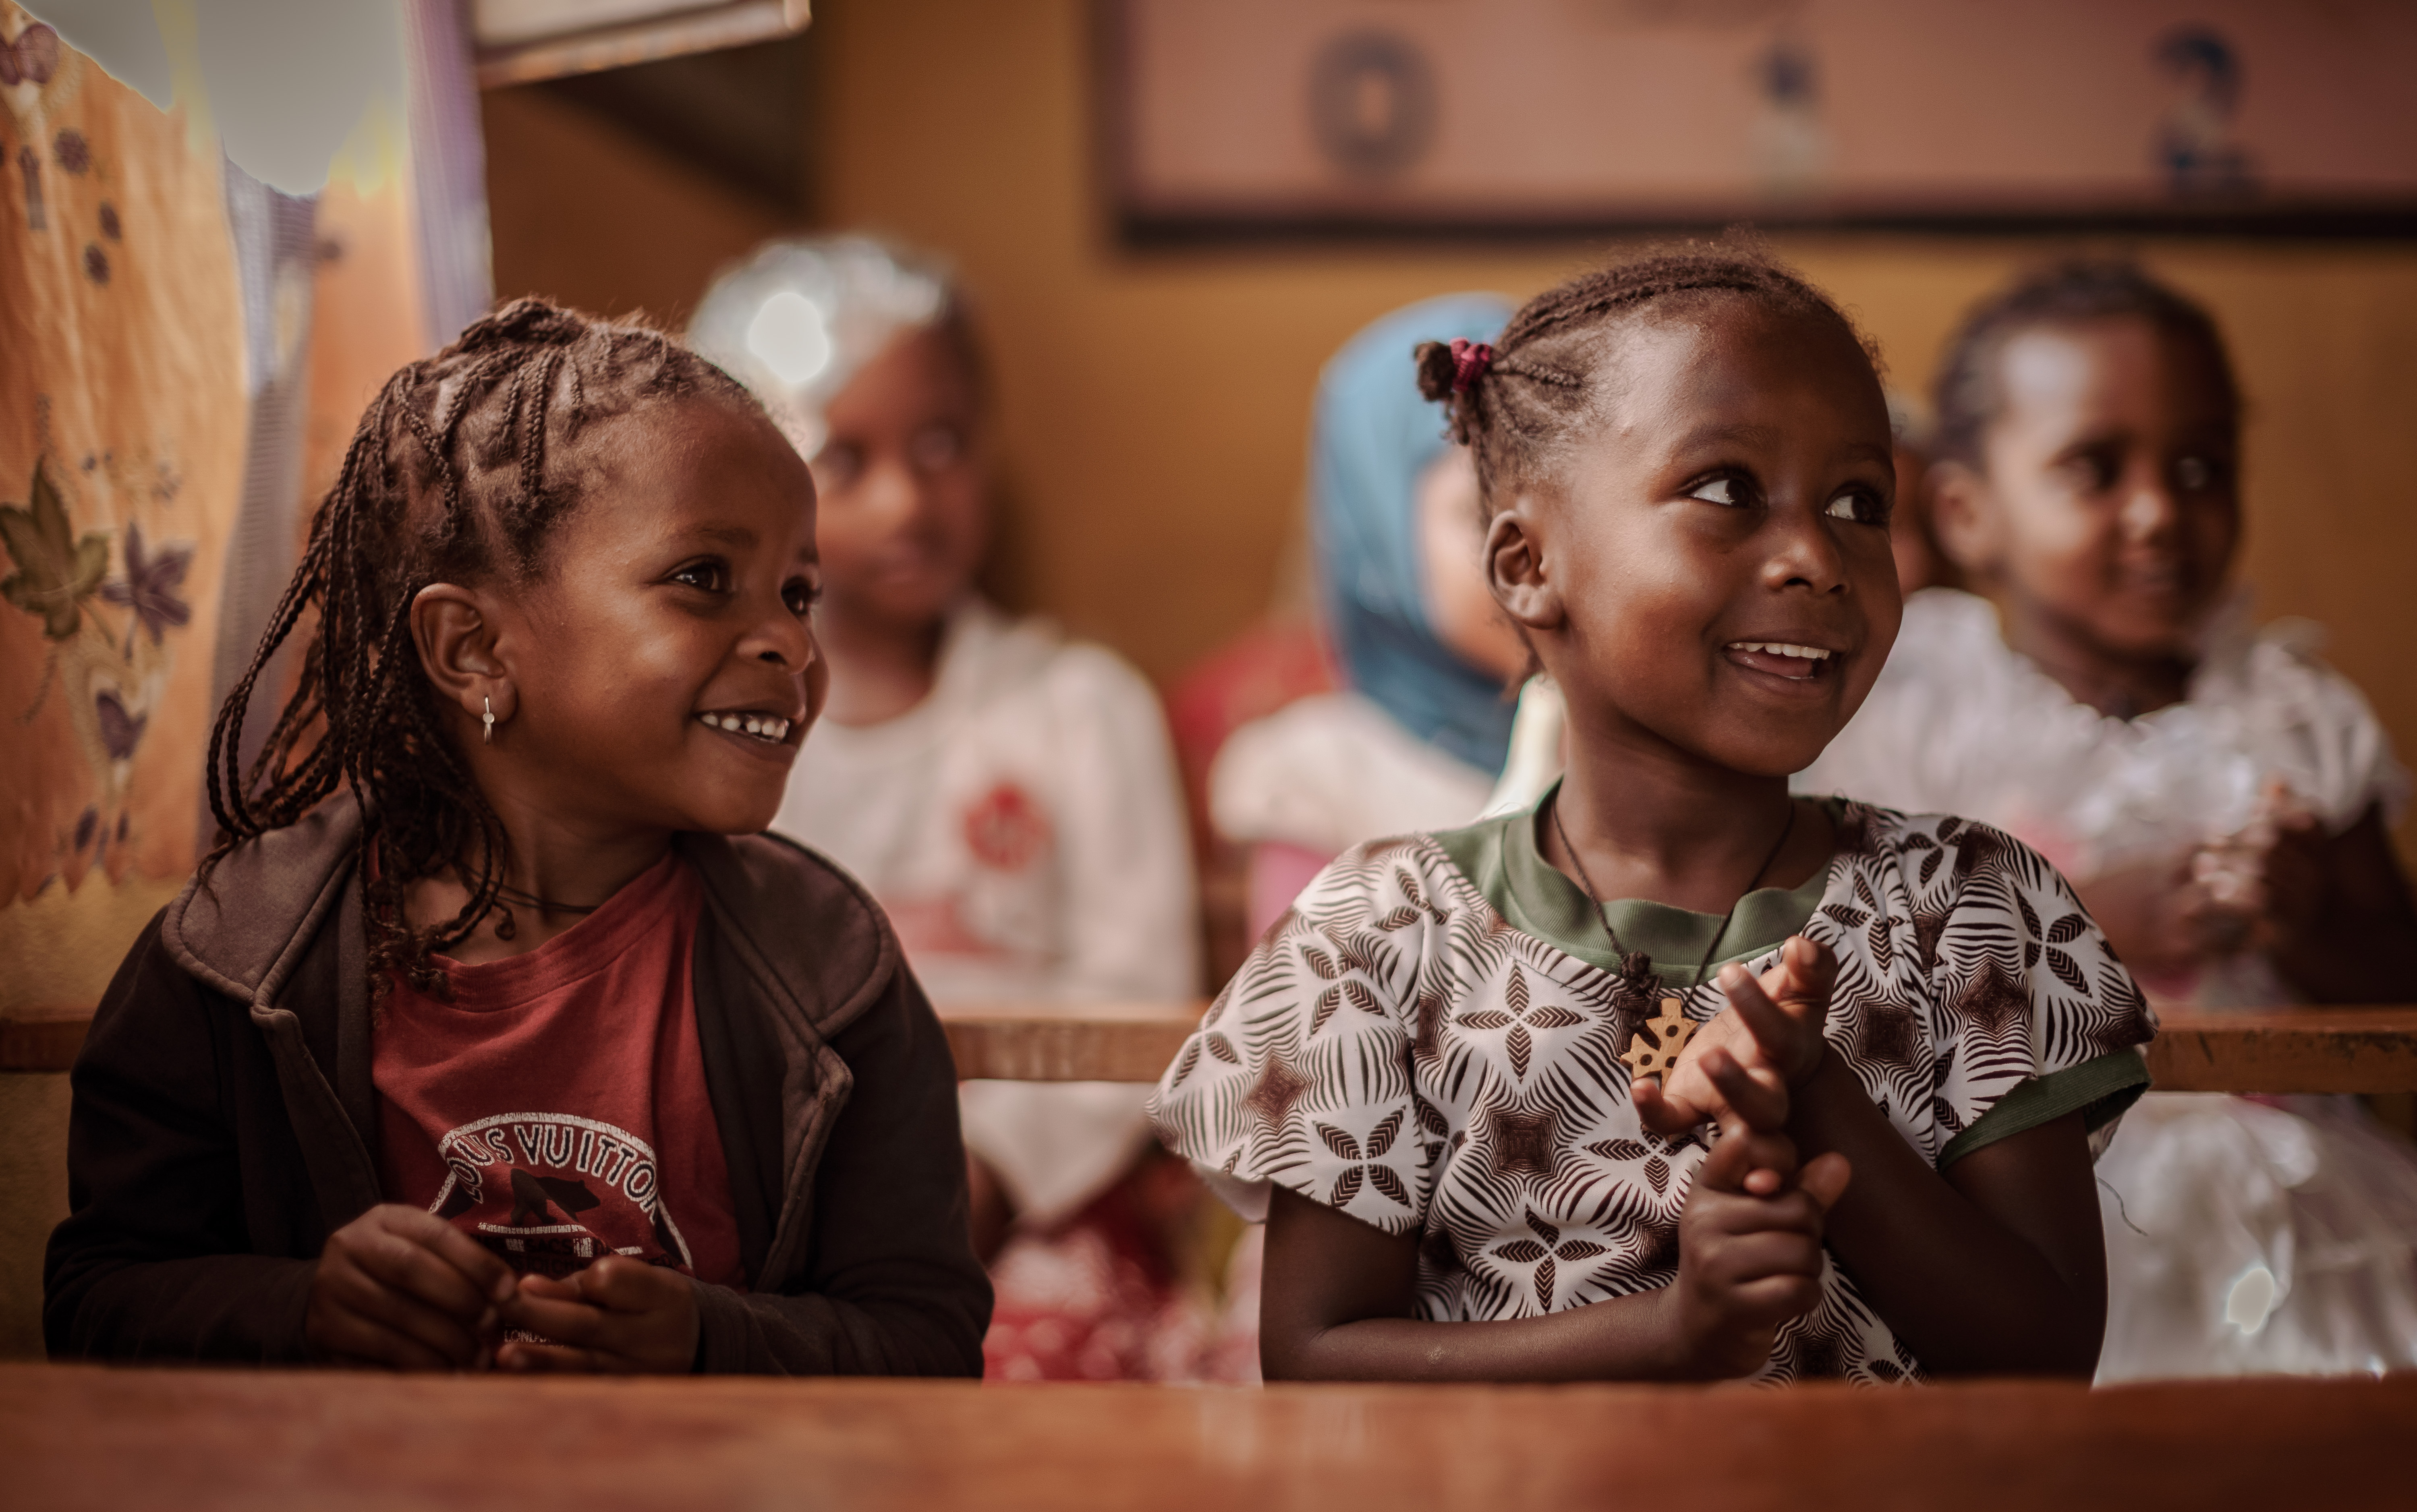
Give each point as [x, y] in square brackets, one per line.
[123, 425]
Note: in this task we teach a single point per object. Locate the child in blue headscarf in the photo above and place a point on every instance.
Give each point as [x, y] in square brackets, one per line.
[1416, 740]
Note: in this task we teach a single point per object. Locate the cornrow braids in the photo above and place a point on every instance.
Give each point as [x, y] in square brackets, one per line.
[1538, 390]
[454, 474]
[1969, 396]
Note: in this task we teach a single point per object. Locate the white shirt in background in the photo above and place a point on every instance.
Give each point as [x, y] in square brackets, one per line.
[1024, 828]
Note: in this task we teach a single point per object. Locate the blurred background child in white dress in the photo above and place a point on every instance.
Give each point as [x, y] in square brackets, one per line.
[1007, 794]
[2219, 797]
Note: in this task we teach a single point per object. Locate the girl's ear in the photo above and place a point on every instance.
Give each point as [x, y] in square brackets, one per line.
[1965, 514]
[456, 638]
[1515, 569]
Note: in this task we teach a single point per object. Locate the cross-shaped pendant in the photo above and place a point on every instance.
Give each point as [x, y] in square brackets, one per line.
[1654, 1046]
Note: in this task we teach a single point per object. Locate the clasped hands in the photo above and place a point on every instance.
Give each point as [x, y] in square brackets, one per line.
[1750, 1237]
[400, 1286]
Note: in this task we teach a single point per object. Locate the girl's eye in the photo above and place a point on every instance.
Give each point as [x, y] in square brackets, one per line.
[1855, 504]
[2193, 474]
[708, 577]
[1718, 491]
[934, 448]
[801, 597]
[2095, 472]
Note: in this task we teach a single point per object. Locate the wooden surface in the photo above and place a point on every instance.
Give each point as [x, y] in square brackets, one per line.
[124, 1441]
[2266, 1049]
[1067, 1042]
[2285, 1050]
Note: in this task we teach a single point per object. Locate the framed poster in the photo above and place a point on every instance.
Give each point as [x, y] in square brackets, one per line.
[1257, 117]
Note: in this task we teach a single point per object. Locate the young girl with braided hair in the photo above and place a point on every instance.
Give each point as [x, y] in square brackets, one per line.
[493, 1033]
[1671, 1075]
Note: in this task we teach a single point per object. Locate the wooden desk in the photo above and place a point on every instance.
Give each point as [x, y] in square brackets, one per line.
[2268, 1049]
[126, 1441]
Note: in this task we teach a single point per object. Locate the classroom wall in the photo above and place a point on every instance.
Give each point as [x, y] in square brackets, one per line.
[1155, 404]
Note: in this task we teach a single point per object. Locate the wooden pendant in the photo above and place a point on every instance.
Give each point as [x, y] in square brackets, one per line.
[1653, 1047]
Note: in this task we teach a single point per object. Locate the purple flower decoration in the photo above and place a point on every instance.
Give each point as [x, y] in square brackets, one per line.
[72, 153]
[109, 222]
[96, 263]
[119, 729]
[150, 585]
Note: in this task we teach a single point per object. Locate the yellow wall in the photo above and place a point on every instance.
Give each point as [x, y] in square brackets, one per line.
[1155, 404]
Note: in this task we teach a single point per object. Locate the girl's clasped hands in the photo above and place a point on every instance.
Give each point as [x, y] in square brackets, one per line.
[1750, 1252]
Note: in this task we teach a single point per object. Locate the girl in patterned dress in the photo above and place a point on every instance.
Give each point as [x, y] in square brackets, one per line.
[2220, 796]
[1883, 1048]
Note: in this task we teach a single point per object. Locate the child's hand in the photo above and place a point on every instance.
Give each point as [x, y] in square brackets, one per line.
[402, 1288]
[1772, 1028]
[617, 1315]
[1748, 1264]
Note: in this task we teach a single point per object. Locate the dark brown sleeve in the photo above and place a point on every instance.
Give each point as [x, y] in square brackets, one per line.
[892, 1287]
[156, 1258]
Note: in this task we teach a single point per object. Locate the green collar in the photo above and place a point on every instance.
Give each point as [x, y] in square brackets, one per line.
[1501, 859]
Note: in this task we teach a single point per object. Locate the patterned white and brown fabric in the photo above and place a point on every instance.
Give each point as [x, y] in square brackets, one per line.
[1397, 1049]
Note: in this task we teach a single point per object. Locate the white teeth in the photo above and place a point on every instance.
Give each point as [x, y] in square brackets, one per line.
[1779, 649]
[751, 724]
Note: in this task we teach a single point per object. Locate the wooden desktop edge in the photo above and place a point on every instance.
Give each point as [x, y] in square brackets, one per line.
[2301, 1049]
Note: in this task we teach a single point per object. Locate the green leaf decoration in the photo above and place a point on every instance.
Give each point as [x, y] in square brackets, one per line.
[56, 569]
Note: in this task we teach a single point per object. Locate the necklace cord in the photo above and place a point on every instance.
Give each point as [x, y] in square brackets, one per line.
[1603, 909]
[544, 905]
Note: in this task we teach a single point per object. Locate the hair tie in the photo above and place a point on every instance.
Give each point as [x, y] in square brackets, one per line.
[1469, 360]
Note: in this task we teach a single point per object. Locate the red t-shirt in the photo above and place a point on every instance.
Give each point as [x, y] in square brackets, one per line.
[555, 1110]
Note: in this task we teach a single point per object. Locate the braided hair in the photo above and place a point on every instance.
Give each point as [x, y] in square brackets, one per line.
[447, 481]
[1968, 395]
[1519, 409]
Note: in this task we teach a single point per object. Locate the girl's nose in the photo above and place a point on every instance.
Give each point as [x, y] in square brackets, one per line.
[782, 639]
[2150, 512]
[1805, 554]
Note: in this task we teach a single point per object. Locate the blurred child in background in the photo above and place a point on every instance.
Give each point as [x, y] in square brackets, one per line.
[1418, 739]
[1006, 792]
[2219, 795]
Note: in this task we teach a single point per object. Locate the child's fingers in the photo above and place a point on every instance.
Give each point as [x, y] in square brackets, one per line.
[1807, 970]
[552, 1288]
[1659, 1112]
[404, 1262]
[1756, 1095]
[578, 1324]
[1774, 1299]
[363, 1309]
[542, 1359]
[1824, 1179]
[1777, 1035]
[1724, 1169]
[620, 1284]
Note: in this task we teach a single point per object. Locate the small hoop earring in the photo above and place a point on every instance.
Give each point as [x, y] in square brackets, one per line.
[489, 718]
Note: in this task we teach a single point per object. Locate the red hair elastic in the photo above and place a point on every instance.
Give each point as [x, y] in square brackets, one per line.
[1469, 360]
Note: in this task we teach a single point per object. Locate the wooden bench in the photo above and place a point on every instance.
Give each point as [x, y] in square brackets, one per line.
[2271, 1049]
[128, 1441]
